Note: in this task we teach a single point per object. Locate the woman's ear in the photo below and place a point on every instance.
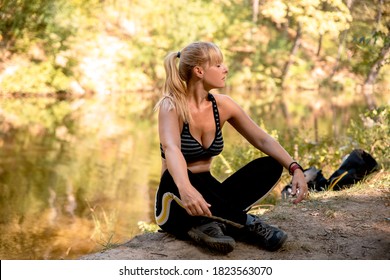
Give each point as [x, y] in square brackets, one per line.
[198, 71]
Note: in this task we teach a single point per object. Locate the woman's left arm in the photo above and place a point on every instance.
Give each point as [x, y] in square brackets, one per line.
[264, 142]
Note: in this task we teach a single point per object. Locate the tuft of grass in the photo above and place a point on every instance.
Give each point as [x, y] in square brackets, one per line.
[104, 225]
[108, 244]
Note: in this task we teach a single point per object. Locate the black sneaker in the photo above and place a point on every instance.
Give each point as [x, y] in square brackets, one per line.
[264, 235]
[211, 235]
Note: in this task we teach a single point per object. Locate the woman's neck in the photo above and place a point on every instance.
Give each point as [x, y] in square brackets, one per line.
[197, 101]
[197, 95]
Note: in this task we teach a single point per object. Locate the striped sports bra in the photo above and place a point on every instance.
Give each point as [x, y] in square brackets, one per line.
[192, 150]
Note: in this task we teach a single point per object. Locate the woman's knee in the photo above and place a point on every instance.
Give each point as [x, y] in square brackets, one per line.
[270, 164]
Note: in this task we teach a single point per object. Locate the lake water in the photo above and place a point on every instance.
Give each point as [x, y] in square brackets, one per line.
[67, 194]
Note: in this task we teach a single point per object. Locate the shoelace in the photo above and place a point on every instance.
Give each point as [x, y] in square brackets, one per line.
[264, 229]
[214, 229]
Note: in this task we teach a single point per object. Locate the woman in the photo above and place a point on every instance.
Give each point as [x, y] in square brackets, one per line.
[189, 200]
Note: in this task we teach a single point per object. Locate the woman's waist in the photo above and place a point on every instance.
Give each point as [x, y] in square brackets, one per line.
[200, 166]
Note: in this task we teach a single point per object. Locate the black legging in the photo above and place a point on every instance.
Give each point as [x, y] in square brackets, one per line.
[230, 199]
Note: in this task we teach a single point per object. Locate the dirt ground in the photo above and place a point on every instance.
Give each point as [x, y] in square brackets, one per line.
[344, 225]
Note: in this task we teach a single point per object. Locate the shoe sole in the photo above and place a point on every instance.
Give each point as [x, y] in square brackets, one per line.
[279, 244]
[224, 246]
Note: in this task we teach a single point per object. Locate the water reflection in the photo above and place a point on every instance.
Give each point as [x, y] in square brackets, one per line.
[63, 199]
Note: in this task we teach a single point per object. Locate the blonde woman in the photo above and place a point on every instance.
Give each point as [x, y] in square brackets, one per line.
[189, 200]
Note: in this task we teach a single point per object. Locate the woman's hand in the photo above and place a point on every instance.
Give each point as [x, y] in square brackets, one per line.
[299, 186]
[194, 203]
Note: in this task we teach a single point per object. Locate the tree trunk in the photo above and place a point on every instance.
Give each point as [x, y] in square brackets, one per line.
[293, 51]
[378, 14]
[367, 88]
[319, 45]
[343, 36]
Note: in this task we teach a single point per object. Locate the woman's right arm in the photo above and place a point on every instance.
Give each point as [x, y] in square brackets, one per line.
[169, 132]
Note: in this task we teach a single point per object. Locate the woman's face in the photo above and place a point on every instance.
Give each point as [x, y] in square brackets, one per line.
[215, 76]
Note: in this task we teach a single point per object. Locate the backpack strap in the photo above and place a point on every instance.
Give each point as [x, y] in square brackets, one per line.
[336, 180]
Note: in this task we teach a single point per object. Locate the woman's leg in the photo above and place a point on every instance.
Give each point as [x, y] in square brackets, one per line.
[232, 198]
[252, 182]
[247, 186]
[229, 199]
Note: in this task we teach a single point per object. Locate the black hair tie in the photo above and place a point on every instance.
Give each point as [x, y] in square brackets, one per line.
[178, 55]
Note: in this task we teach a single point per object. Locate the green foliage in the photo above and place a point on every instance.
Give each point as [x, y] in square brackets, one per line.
[25, 22]
[131, 39]
[48, 78]
[147, 227]
[38, 34]
[316, 17]
[371, 132]
[367, 49]
[367, 36]
[165, 26]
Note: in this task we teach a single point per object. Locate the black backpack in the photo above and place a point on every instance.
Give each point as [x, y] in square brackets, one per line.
[353, 169]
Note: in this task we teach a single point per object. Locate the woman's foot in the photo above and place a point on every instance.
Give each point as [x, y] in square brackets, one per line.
[211, 235]
[259, 233]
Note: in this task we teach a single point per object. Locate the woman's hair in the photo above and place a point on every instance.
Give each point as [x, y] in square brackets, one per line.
[177, 78]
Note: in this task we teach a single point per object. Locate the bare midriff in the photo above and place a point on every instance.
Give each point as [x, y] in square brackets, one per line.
[195, 167]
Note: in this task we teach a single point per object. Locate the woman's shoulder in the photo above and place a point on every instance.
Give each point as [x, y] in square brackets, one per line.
[224, 100]
[227, 107]
[165, 102]
[166, 109]
[166, 105]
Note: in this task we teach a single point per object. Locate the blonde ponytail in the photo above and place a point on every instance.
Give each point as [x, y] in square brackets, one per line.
[175, 90]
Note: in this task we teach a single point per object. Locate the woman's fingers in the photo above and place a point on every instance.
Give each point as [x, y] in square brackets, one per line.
[199, 209]
[206, 210]
[299, 198]
[299, 186]
[202, 209]
[194, 203]
[302, 192]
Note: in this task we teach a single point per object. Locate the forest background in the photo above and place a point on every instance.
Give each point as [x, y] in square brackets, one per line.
[70, 69]
[304, 56]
